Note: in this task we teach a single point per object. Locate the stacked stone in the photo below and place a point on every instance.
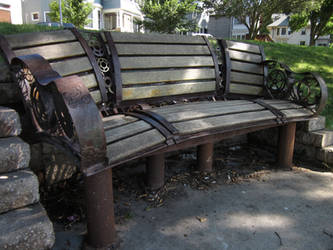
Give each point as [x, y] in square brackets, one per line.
[24, 223]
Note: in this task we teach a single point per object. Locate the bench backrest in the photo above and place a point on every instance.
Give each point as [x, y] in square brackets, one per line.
[155, 66]
[243, 71]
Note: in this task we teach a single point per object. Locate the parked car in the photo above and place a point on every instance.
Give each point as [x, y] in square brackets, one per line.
[56, 24]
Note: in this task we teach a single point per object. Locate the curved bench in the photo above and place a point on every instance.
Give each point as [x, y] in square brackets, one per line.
[109, 98]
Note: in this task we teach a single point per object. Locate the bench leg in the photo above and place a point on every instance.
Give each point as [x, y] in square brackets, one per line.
[155, 171]
[205, 157]
[100, 211]
[286, 145]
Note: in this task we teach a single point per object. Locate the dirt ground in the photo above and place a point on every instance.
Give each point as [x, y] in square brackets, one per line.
[244, 204]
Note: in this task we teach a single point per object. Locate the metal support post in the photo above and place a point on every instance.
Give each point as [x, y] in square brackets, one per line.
[155, 171]
[286, 145]
[205, 154]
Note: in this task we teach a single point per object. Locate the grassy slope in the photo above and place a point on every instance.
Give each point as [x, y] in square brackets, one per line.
[303, 58]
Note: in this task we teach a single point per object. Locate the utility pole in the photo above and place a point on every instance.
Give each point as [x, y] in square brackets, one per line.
[60, 11]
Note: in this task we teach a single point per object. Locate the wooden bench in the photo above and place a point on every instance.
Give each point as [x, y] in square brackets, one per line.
[109, 98]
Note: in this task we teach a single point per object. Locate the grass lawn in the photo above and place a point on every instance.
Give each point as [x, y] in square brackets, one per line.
[303, 58]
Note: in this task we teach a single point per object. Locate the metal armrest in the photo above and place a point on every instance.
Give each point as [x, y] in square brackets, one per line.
[307, 89]
[62, 111]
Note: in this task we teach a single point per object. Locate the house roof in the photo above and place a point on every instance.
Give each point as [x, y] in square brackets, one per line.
[282, 21]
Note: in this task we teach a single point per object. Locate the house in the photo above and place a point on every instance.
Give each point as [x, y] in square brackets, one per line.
[281, 32]
[117, 15]
[11, 11]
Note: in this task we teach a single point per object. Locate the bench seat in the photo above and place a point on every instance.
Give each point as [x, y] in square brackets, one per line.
[128, 136]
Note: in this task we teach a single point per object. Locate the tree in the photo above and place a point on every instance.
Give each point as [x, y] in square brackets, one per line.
[73, 11]
[254, 14]
[319, 14]
[168, 16]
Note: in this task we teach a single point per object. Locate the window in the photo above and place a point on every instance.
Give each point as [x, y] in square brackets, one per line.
[283, 31]
[236, 21]
[205, 30]
[99, 19]
[303, 32]
[289, 32]
[278, 31]
[302, 43]
[47, 16]
[35, 16]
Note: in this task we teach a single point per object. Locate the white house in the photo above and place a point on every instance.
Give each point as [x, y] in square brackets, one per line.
[11, 11]
[281, 32]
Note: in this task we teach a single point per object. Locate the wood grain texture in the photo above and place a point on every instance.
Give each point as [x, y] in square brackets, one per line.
[123, 37]
[89, 80]
[117, 120]
[72, 66]
[96, 95]
[167, 90]
[54, 51]
[246, 78]
[165, 62]
[152, 76]
[245, 89]
[39, 38]
[247, 67]
[161, 49]
[125, 148]
[243, 46]
[243, 56]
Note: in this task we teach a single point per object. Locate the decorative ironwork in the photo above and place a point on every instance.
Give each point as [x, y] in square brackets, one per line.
[306, 89]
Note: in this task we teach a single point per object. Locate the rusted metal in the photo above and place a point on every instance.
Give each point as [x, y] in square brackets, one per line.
[100, 211]
[226, 66]
[286, 145]
[281, 118]
[6, 49]
[116, 68]
[205, 153]
[94, 64]
[155, 171]
[219, 89]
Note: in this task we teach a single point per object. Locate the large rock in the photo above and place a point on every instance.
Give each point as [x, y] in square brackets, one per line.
[315, 123]
[14, 154]
[320, 138]
[18, 189]
[26, 228]
[9, 93]
[325, 154]
[10, 124]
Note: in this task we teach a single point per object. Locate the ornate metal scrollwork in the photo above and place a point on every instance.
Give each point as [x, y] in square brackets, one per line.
[306, 89]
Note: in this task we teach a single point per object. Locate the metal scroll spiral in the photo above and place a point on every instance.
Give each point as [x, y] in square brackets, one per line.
[277, 82]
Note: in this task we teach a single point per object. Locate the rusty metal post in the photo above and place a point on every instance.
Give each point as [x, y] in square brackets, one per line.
[286, 145]
[155, 171]
[100, 211]
[205, 154]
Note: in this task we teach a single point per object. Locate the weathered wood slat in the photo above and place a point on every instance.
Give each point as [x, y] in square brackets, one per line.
[72, 66]
[167, 90]
[242, 56]
[126, 131]
[89, 80]
[243, 46]
[165, 62]
[246, 78]
[245, 89]
[96, 95]
[127, 147]
[39, 38]
[219, 122]
[54, 51]
[247, 67]
[296, 113]
[161, 49]
[117, 120]
[122, 37]
[152, 76]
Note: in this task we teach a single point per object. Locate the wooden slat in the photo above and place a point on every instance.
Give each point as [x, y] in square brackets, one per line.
[39, 38]
[127, 147]
[89, 80]
[246, 78]
[126, 131]
[96, 95]
[141, 77]
[243, 56]
[161, 49]
[72, 66]
[243, 46]
[245, 89]
[296, 113]
[194, 114]
[165, 62]
[167, 90]
[117, 120]
[54, 51]
[122, 37]
[247, 67]
[194, 126]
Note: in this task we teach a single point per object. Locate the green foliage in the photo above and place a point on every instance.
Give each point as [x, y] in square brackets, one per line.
[319, 14]
[7, 28]
[167, 16]
[73, 11]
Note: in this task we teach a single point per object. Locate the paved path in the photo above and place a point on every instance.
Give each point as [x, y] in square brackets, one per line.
[280, 210]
